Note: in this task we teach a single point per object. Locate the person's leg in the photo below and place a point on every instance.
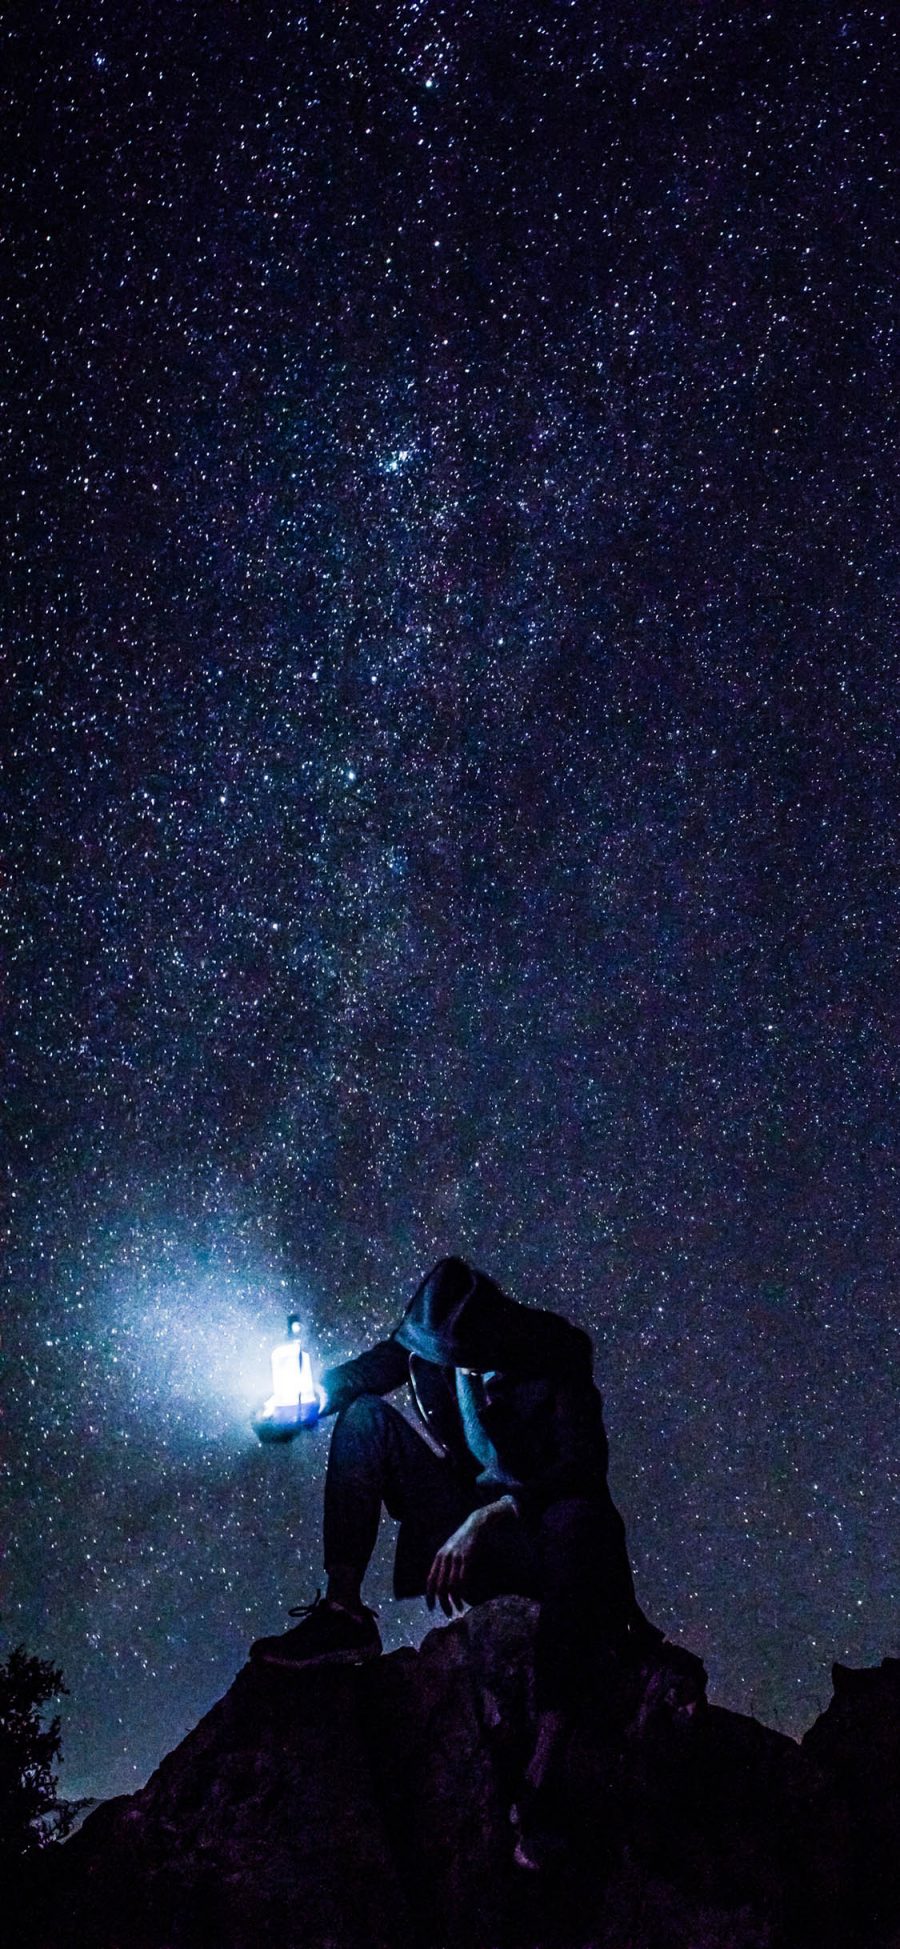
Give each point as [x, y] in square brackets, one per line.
[574, 1560]
[376, 1458]
[587, 1604]
[587, 1597]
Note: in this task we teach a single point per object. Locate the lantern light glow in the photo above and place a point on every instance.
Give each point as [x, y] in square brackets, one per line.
[294, 1400]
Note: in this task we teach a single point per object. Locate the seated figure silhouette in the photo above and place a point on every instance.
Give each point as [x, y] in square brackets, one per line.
[499, 1485]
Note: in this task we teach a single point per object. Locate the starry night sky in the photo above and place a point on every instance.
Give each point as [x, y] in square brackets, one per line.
[451, 797]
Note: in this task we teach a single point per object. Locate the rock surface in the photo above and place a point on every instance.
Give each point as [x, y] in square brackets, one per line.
[350, 1806]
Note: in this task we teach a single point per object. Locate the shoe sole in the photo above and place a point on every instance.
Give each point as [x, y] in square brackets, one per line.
[360, 1657]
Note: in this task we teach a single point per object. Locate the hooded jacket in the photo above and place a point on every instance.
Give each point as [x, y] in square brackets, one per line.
[555, 1450]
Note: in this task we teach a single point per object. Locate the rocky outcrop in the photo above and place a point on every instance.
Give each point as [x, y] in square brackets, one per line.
[369, 1806]
[855, 1746]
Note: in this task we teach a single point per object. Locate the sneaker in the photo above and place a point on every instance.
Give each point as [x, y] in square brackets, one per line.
[327, 1636]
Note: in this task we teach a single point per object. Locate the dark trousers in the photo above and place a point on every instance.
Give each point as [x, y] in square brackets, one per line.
[572, 1558]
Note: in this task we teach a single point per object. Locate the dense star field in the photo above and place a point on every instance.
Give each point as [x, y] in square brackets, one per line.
[451, 793]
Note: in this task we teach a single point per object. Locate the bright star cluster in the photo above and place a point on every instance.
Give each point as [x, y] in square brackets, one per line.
[451, 793]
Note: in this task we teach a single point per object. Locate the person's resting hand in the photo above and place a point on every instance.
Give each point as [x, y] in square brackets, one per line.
[449, 1571]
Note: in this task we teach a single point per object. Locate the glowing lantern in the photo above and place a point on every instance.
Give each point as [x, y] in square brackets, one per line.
[294, 1400]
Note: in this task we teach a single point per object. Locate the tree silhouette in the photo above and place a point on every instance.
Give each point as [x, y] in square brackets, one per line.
[30, 1813]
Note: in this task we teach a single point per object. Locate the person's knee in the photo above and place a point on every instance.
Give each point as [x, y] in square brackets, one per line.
[571, 1519]
[575, 1539]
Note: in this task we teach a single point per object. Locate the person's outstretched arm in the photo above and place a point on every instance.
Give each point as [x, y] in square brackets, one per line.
[377, 1371]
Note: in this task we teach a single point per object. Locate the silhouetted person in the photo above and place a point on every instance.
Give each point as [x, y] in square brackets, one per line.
[501, 1488]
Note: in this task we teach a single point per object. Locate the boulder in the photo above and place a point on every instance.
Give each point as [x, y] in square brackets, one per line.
[346, 1806]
